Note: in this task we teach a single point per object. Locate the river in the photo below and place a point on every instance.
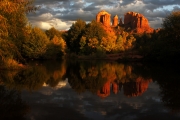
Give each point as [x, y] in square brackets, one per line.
[96, 90]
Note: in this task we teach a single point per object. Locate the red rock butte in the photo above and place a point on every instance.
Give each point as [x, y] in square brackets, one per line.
[133, 22]
[115, 21]
[137, 22]
[104, 17]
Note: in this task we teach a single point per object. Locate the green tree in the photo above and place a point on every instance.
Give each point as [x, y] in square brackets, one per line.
[83, 44]
[9, 55]
[108, 43]
[14, 13]
[171, 30]
[129, 42]
[119, 44]
[35, 46]
[56, 48]
[166, 46]
[95, 30]
[171, 26]
[74, 35]
[53, 32]
[91, 39]
[124, 42]
[13, 23]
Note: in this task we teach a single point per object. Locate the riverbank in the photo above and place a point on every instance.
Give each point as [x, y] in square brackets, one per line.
[125, 56]
[11, 64]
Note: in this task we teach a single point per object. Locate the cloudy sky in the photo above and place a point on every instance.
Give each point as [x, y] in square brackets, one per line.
[62, 13]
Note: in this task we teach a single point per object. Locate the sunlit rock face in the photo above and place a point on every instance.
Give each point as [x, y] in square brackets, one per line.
[104, 17]
[115, 21]
[133, 22]
[137, 23]
[109, 30]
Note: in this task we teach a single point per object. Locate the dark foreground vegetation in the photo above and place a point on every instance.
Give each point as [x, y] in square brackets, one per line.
[20, 41]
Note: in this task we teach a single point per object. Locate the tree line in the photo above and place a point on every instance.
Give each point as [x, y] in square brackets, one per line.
[20, 41]
[86, 39]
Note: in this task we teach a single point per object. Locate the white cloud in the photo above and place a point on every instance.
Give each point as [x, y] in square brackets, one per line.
[61, 13]
[56, 23]
[46, 16]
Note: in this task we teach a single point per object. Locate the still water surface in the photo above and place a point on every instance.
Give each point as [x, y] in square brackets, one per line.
[96, 90]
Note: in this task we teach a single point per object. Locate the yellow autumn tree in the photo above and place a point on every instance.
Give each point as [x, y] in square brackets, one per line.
[108, 43]
[13, 23]
[56, 48]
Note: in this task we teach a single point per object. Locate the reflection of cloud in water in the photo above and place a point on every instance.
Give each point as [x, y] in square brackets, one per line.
[116, 106]
[47, 90]
[61, 84]
[135, 105]
[144, 103]
[103, 112]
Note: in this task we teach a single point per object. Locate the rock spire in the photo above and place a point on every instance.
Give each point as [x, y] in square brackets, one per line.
[104, 17]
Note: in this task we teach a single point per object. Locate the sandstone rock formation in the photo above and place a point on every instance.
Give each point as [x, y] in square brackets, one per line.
[104, 17]
[133, 22]
[137, 23]
[115, 21]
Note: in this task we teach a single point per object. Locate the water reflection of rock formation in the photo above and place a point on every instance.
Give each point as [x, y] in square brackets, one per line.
[131, 89]
[136, 88]
[105, 90]
[100, 78]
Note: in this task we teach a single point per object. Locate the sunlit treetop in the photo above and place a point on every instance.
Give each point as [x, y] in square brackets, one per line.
[14, 5]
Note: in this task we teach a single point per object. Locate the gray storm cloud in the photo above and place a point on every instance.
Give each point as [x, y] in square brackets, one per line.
[62, 13]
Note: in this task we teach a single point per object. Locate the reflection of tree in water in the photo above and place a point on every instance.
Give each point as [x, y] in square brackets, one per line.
[170, 94]
[34, 77]
[168, 79]
[98, 78]
[30, 79]
[133, 82]
[84, 76]
[56, 72]
[11, 105]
